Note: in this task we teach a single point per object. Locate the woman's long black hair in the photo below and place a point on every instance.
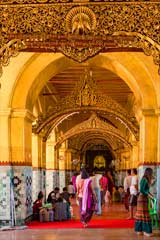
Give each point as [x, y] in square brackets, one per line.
[148, 174]
[84, 174]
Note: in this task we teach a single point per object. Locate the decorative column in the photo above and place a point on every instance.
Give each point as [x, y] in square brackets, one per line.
[69, 165]
[148, 137]
[69, 160]
[4, 141]
[62, 166]
[158, 162]
[21, 161]
[135, 155]
[126, 157]
[43, 167]
[37, 146]
[56, 172]
[5, 168]
[148, 145]
[52, 174]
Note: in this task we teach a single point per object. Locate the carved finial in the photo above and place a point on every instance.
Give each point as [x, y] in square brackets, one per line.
[86, 90]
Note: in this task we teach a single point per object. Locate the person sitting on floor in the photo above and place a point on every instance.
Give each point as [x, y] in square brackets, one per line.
[60, 209]
[116, 195]
[53, 196]
[65, 194]
[46, 213]
[37, 205]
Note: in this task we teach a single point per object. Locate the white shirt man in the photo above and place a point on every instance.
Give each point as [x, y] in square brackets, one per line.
[126, 185]
[127, 181]
[133, 192]
[134, 185]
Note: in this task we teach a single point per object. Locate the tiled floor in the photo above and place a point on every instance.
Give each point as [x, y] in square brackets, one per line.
[112, 212]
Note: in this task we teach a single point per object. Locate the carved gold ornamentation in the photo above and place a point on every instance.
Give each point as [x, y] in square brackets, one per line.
[149, 47]
[47, 19]
[84, 95]
[33, 1]
[53, 26]
[99, 126]
[11, 49]
[80, 20]
[80, 142]
[80, 54]
[64, 1]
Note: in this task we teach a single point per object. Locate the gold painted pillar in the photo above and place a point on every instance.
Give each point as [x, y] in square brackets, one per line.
[158, 162]
[56, 157]
[37, 143]
[158, 144]
[5, 168]
[37, 148]
[125, 158]
[4, 137]
[51, 162]
[134, 155]
[148, 137]
[69, 166]
[21, 161]
[68, 160]
[62, 157]
[62, 165]
[149, 148]
[52, 175]
[21, 137]
[43, 154]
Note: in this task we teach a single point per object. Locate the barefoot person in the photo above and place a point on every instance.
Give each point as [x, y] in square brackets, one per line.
[86, 198]
[143, 223]
[133, 193]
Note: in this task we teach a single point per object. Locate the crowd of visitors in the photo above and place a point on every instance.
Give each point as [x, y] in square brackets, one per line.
[92, 191]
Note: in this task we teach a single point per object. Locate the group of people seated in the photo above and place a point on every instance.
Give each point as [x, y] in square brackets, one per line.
[56, 208]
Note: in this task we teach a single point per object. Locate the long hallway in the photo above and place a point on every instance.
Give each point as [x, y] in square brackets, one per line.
[116, 211]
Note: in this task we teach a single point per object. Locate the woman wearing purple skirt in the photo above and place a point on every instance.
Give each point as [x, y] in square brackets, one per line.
[86, 198]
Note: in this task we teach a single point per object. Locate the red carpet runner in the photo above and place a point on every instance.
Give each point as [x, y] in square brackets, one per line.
[109, 223]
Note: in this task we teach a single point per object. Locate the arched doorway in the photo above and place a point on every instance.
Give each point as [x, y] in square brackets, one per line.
[33, 85]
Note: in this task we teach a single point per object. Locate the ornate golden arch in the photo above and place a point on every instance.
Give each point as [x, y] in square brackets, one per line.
[79, 32]
[94, 125]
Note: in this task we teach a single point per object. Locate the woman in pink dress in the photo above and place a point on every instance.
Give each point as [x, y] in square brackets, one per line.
[86, 198]
[73, 180]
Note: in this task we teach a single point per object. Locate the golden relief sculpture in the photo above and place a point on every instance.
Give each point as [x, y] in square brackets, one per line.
[52, 18]
[11, 49]
[82, 31]
[99, 126]
[84, 95]
[64, 1]
[81, 24]
[80, 142]
[80, 20]
[86, 90]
